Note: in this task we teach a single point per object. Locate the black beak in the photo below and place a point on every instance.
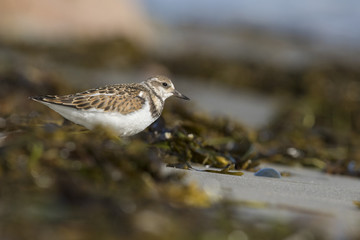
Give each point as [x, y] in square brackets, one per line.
[180, 95]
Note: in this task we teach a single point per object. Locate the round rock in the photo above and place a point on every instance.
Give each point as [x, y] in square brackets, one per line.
[268, 172]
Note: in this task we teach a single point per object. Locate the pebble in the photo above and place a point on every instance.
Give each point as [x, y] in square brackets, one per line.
[268, 172]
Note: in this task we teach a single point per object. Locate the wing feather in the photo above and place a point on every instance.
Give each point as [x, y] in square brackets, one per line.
[122, 98]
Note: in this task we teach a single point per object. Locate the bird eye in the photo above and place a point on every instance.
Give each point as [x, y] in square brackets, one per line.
[164, 84]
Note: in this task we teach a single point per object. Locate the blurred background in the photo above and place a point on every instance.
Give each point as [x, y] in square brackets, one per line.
[261, 47]
[287, 72]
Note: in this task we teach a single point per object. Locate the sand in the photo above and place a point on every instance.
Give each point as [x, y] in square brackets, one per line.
[308, 197]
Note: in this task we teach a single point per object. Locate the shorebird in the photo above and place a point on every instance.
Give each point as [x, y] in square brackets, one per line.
[127, 109]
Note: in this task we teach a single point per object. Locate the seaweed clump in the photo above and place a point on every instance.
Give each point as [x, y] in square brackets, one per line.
[197, 138]
[318, 123]
[319, 127]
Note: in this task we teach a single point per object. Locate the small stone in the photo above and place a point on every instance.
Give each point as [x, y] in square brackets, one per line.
[168, 135]
[293, 152]
[268, 172]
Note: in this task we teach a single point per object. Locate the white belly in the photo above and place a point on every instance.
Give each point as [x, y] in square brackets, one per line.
[123, 125]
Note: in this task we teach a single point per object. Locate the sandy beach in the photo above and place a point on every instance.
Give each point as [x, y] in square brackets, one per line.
[307, 197]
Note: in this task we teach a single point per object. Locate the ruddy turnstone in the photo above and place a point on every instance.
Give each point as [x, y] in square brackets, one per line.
[127, 109]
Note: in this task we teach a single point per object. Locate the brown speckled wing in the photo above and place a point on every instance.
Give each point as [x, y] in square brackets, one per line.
[123, 98]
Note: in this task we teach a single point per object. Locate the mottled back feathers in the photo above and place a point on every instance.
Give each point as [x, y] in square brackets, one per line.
[122, 98]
